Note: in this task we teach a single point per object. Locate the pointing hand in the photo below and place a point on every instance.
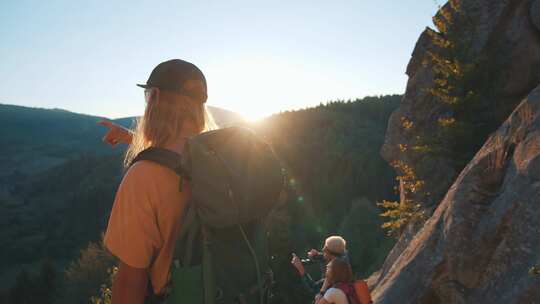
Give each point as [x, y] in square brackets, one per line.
[116, 134]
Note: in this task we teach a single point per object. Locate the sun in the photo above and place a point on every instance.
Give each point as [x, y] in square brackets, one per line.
[254, 115]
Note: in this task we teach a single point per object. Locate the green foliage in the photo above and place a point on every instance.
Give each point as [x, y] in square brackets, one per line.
[66, 207]
[465, 85]
[84, 278]
[332, 154]
[29, 288]
[366, 245]
[105, 292]
[401, 213]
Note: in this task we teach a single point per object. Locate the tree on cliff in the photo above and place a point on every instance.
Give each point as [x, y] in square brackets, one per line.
[465, 85]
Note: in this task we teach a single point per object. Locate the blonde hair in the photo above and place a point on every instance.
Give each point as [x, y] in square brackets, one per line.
[165, 115]
[336, 244]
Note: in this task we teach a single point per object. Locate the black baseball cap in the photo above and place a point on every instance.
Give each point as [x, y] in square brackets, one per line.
[172, 75]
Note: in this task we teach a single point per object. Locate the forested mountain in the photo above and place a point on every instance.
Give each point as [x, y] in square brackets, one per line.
[58, 183]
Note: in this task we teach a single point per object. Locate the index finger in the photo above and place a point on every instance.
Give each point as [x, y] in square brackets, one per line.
[106, 123]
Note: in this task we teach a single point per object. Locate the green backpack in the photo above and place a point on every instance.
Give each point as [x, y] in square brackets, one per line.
[221, 254]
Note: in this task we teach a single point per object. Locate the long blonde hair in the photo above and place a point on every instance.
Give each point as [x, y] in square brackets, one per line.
[165, 115]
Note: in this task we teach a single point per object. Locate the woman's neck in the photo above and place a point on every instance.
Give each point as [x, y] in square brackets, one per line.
[177, 144]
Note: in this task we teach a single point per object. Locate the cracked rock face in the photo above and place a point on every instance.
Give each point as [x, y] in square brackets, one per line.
[501, 27]
[485, 234]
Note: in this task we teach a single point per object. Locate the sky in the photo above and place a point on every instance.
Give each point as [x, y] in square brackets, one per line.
[259, 57]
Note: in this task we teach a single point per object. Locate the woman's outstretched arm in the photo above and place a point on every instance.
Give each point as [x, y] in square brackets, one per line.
[116, 134]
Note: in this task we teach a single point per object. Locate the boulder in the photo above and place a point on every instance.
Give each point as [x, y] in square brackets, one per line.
[484, 236]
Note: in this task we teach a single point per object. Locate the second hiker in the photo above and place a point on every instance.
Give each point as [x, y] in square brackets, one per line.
[334, 247]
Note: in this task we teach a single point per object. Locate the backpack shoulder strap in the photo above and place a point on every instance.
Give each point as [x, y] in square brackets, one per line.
[166, 158]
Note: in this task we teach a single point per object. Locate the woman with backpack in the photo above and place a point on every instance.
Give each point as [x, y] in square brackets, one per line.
[148, 208]
[191, 252]
[340, 278]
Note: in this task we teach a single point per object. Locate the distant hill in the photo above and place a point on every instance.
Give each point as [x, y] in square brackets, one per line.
[225, 118]
[35, 139]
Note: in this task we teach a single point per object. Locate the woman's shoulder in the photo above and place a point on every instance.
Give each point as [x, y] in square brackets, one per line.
[146, 173]
[334, 290]
[335, 295]
[148, 169]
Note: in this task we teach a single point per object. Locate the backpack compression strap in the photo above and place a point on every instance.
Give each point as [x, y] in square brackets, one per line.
[164, 157]
[190, 227]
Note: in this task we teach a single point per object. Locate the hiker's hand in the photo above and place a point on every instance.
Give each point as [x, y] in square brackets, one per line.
[297, 263]
[116, 134]
[313, 252]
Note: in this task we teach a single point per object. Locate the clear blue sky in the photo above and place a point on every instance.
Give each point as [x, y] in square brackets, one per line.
[259, 57]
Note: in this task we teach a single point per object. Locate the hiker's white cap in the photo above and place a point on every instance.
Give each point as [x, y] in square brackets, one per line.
[336, 245]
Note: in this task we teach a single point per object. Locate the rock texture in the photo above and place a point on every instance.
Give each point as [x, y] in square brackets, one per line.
[484, 231]
[485, 234]
[506, 28]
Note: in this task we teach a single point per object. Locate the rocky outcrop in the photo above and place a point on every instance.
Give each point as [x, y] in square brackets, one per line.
[508, 29]
[485, 234]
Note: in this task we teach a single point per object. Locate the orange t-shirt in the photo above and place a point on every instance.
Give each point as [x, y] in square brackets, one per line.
[145, 220]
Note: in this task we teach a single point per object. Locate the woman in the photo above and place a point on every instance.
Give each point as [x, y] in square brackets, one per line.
[148, 207]
[338, 272]
[334, 246]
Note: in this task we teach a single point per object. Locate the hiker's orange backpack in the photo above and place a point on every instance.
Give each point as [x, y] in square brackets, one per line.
[362, 292]
[357, 292]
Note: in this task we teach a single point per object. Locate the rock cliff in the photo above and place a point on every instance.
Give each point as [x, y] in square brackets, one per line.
[508, 29]
[484, 227]
[485, 234]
